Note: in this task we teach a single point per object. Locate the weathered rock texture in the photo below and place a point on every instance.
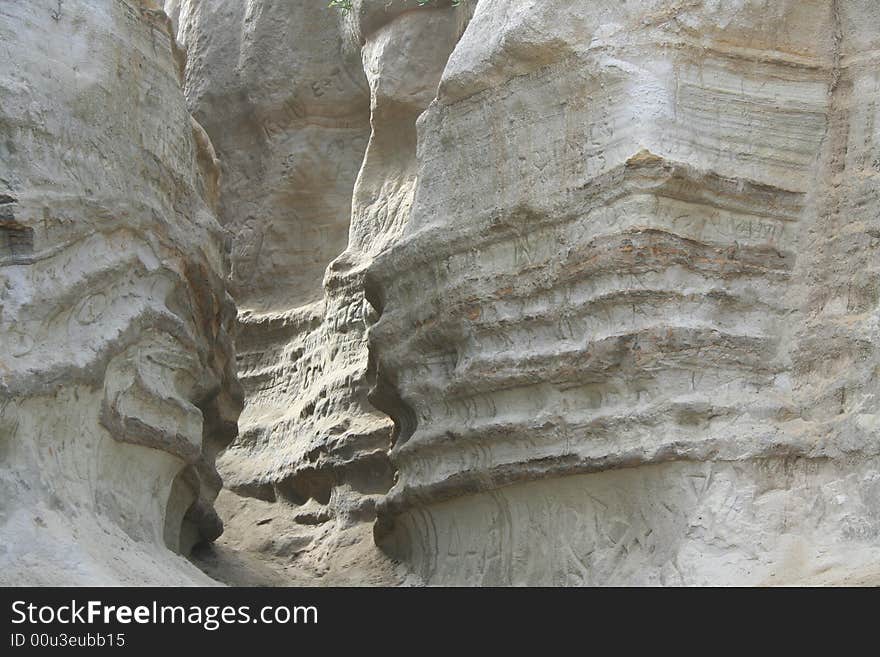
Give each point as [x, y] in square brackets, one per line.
[530, 291]
[630, 329]
[117, 385]
[305, 191]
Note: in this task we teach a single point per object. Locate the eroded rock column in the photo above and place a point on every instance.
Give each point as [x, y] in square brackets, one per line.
[628, 324]
[117, 384]
[311, 462]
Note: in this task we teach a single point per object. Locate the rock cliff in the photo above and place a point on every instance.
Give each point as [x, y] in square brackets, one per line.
[628, 327]
[528, 291]
[117, 376]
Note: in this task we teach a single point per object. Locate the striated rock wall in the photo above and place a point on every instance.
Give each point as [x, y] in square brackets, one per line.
[319, 160]
[290, 137]
[528, 292]
[117, 383]
[627, 334]
[617, 283]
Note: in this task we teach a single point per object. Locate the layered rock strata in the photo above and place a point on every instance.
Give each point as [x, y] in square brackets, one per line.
[319, 159]
[117, 383]
[628, 334]
[585, 293]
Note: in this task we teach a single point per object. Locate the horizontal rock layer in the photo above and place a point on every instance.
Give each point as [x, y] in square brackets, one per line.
[117, 382]
[635, 291]
[322, 141]
[529, 292]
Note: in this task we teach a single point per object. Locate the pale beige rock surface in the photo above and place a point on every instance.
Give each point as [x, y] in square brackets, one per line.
[529, 291]
[117, 383]
[631, 319]
[344, 135]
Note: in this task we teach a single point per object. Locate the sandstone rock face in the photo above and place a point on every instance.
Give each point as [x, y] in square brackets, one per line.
[529, 292]
[617, 282]
[288, 112]
[117, 382]
[291, 138]
[628, 334]
[319, 160]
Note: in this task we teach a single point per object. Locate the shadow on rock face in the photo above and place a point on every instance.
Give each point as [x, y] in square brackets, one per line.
[120, 387]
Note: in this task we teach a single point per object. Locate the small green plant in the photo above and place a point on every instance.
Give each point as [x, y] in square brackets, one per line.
[345, 5]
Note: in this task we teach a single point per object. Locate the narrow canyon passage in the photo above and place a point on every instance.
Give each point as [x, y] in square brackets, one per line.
[611, 247]
[499, 292]
[318, 157]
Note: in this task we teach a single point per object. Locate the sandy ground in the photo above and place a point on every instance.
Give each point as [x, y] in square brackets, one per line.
[262, 545]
